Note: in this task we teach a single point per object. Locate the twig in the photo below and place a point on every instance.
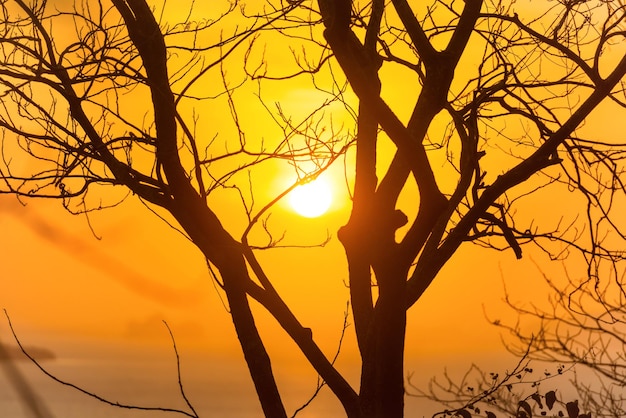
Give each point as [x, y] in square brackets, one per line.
[180, 381]
[86, 392]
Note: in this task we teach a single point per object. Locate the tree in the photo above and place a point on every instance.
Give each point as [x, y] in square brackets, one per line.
[517, 393]
[499, 95]
[572, 342]
[582, 327]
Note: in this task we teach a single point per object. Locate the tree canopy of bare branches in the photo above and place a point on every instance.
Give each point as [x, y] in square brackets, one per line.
[491, 121]
[582, 327]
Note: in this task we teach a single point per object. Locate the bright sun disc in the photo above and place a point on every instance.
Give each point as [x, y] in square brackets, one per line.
[312, 199]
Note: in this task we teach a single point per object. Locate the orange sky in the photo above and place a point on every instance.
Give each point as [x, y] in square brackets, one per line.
[59, 283]
[62, 286]
[58, 276]
[106, 298]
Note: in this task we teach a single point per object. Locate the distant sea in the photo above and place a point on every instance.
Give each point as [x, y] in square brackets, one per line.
[218, 386]
[214, 391]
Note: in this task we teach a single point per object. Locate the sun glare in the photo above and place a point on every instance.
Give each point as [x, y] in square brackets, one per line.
[311, 199]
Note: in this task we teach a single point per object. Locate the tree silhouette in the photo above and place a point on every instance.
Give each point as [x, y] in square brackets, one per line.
[490, 124]
[520, 392]
[582, 325]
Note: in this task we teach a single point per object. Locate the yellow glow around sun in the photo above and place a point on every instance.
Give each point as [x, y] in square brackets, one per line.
[311, 199]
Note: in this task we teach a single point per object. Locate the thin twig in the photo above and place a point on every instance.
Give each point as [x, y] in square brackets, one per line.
[180, 381]
[86, 392]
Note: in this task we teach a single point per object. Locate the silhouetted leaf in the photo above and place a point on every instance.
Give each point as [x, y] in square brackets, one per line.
[490, 414]
[463, 413]
[537, 398]
[585, 415]
[572, 409]
[550, 399]
[526, 408]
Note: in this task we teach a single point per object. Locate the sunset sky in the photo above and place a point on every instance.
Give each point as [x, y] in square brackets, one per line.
[101, 286]
[94, 299]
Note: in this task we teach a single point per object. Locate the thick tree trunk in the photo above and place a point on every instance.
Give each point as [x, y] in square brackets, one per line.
[252, 346]
[225, 253]
[357, 231]
[382, 376]
[190, 210]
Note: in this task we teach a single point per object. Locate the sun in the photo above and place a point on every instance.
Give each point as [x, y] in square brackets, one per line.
[311, 199]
